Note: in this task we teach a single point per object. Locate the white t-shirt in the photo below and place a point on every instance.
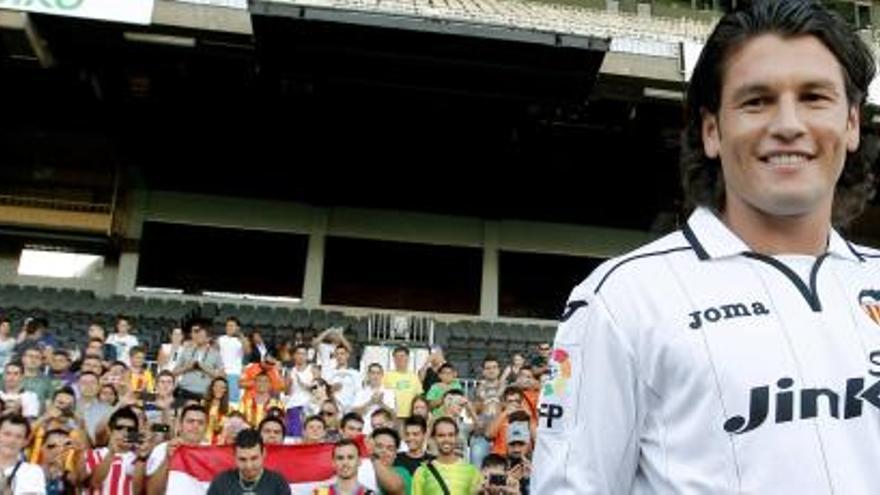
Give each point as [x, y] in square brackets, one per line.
[695, 365]
[123, 345]
[231, 354]
[364, 396]
[299, 393]
[351, 384]
[30, 403]
[157, 456]
[29, 479]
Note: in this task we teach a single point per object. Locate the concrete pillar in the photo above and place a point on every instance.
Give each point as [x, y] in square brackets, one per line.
[314, 278]
[489, 286]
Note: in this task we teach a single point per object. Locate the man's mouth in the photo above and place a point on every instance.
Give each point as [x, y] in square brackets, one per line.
[787, 158]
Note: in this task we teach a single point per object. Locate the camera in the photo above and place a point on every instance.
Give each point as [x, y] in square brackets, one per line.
[160, 428]
[134, 437]
[498, 479]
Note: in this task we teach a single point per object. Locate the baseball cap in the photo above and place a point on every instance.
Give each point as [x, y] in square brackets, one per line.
[518, 432]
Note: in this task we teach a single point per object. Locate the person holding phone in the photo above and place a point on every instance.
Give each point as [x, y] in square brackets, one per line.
[120, 467]
[495, 478]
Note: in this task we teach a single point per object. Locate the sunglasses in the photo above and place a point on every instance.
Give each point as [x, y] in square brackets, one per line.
[129, 429]
[328, 413]
[56, 445]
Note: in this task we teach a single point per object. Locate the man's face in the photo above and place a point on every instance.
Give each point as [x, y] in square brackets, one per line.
[199, 336]
[123, 427]
[137, 360]
[5, 328]
[272, 433]
[32, 360]
[380, 421]
[783, 128]
[346, 460]
[123, 326]
[92, 365]
[249, 462]
[300, 356]
[96, 332]
[544, 350]
[401, 361]
[231, 328]
[95, 347]
[165, 385]
[12, 377]
[352, 429]
[64, 402]
[384, 449]
[414, 438]
[447, 375]
[445, 437]
[54, 446]
[88, 386]
[314, 433]
[452, 404]
[13, 438]
[374, 375]
[517, 450]
[513, 402]
[192, 427]
[262, 384]
[329, 413]
[491, 370]
[342, 355]
[60, 363]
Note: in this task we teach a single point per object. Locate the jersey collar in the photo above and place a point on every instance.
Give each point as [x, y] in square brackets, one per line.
[711, 239]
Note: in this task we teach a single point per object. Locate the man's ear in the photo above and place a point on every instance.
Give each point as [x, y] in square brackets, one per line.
[853, 129]
[711, 134]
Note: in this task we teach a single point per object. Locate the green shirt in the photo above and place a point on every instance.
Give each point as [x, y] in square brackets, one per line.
[406, 477]
[39, 385]
[461, 478]
[436, 393]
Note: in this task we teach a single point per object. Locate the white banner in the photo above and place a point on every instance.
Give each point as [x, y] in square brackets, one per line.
[131, 11]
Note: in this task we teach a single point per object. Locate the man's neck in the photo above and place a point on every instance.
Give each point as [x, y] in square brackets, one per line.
[417, 454]
[7, 460]
[262, 398]
[347, 485]
[256, 478]
[447, 458]
[771, 235]
[13, 390]
[32, 373]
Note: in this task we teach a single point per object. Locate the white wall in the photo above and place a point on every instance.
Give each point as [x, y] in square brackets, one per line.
[105, 285]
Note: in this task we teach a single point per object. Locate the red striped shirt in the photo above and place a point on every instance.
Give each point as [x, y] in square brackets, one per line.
[119, 479]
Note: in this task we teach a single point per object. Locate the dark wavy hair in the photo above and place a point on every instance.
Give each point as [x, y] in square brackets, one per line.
[702, 177]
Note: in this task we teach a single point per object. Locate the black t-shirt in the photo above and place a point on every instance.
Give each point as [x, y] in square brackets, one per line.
[271, 483]
[411, 463]
[431, 377]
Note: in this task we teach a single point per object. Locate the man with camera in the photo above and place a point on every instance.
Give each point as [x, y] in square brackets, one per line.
[495, 478]
[199, 363]
[119, 468]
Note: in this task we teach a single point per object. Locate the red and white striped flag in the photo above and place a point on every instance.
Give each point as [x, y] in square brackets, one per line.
[305, 467]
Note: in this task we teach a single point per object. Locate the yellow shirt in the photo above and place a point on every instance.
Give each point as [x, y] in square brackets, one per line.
[142, 382]
[406, 387]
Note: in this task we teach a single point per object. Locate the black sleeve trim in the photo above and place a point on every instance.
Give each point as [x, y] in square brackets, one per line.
[637, 257]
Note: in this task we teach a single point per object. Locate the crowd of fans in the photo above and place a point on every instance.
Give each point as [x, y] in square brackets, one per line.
[102, 420]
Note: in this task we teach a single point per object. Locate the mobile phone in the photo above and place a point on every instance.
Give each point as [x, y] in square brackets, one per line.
[134, 437]
[498, 479]
[160, 428]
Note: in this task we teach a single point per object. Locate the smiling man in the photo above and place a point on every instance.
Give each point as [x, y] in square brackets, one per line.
[741, 353]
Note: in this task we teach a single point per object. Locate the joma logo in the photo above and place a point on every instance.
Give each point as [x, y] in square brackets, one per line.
[726, 312]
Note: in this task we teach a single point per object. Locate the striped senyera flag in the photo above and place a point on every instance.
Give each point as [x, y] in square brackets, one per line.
[305, 467]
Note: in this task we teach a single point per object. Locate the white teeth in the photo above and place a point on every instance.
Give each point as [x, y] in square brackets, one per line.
[787, 159]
